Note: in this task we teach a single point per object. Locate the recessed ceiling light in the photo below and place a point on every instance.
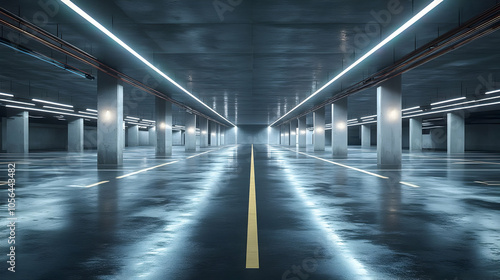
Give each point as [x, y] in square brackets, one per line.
[447, 101]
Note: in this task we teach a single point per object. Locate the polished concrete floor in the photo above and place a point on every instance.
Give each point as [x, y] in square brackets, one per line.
[185, 217]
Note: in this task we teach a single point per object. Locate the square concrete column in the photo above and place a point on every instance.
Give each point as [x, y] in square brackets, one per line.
[456, 133]
[18, 133]
[319, 129]
[222, 136]
[366, 136]
[4, 134]
[163, 118]
[213, 134]
[286, 129]
[389, 124]
[203, 132]
[219, 143]
[190, 133]
[75, 135]
[339, 128]
[282, 135]
[293, 133]
[152, 136]
[133, 136]
[110, 122]
[416, 134]
[302, 132]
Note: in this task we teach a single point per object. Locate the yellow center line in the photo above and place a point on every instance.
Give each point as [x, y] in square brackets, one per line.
[252, 237]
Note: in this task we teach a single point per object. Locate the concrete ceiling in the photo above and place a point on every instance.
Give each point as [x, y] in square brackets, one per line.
[253, 62]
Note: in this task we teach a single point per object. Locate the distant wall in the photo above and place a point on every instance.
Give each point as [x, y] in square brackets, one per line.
[252, 134]
[482, 137]
[143, 138]
[48, 137]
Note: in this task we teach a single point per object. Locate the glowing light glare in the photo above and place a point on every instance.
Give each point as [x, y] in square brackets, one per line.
[341, 125]
[396, 33]
[163, 125]
[493, 91]
[447, 101]
[134, 53]
[302, 132]
[107, 115]
[53, 103]
[6, 94]
[393, 115]
[191, 130]
[319, 129]
[203, 132]
[213, 134]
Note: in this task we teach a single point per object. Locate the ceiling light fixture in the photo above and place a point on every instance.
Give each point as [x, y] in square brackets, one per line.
[400, 30]
[6, 94]
[49, 111]
[87, 17]
[64, 109]
[493, 91]
[454, 109]
[410, 109]
[17, 102]
[50, 102]
[447, 101]
[92, 110]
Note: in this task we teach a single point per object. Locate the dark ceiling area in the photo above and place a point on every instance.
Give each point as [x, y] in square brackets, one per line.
[251, 61]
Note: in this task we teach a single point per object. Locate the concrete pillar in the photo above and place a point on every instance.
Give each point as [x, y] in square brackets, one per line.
[190, 133]
[366, 136]
[223, 135]
[416, 134]
[75, 135]
[219, 143]
[339, 128]
[302, 132]
[319, 129]
[133, 136]
[282, 135]
[203, 133]
[286, 129]
[213, 134]
[18, 133]
[152, 136]
[4, 134]
[110, 121]
[456, 133]
[163, 118]
[389, 124]
[293, 133]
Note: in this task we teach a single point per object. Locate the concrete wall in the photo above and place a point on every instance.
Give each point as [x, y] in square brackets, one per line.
[143, 138]
[482, 137]
[354, 136]
[252, 134]
[48, 137]
[90, 138]
[177, 138]
[435, 140]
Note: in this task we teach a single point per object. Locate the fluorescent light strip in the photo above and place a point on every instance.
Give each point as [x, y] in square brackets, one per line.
[17, 102]
[49, 111]
[454, 109]
[53, 103]
[369, 117]
[447, 101]
[50, 107]
[363, 123]
[132, 118]
[92, 110]
[400, 30]
[493, 91]
[144, 120]
[88, 113]
[353, 120]
[410, 109]
[134, 53]
[6, 94]
[405, 113]
[432, 127]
